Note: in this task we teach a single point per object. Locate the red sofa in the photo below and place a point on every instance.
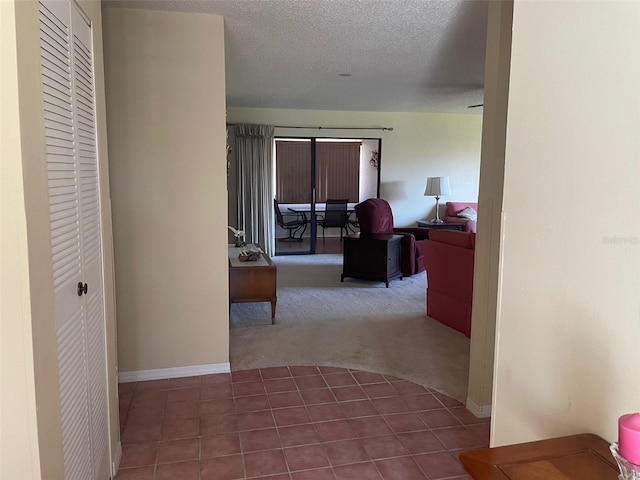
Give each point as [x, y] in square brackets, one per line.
[375, 216]
[448, 259]
[454, 208]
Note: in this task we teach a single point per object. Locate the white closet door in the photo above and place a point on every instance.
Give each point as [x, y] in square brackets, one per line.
[67, 77]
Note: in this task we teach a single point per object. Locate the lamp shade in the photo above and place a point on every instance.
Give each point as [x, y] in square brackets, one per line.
[437, 187]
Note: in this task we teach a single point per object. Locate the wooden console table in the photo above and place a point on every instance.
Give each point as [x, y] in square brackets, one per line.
[576, 457]
[252, 281]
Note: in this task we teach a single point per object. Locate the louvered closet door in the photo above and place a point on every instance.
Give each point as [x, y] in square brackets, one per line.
[67, 82]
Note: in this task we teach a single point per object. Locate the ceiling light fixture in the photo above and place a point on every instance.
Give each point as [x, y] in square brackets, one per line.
[344, 74]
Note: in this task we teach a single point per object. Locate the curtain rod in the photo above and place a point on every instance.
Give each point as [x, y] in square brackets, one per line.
[390, 129]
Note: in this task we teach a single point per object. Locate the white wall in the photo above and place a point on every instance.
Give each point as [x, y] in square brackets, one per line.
[165, 93]
[421, 145]
[568, 324]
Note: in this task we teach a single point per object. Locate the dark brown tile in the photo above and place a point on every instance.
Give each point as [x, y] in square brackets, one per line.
[139, 455]
[291, 416]
[285, 399]
[408, 388]
[457, 437]
[345, 452]
[306, 457]
[222, 468]
[378, 390]
[368, 377]
[446, 400]
[324, 412]
[215, 379]
[255, 420]
[268, 462]
[179, 450]
[126, 388]
[182, 410]
[151, 385]
[141, 433]
[298, 435]
[280, 385]
[248, 388]
[246, 376]
[345, 394]
[404, 468]
[149, 399]
[254, 403]
[339, 380]
[219, 445]
[405, 422]
[218, 424]
[357, 471]
[318, 474]
[390, 405]
[175, 429]
[325, 370]
[438, 418]
[439, 465]
[181, 470]
[145, 415]
[217, 407]
[139, 473]
[421, 442]
[310, 382]
[216, 392]
[184, 382]
[275, 372]
[387, 446]
[317, 396]
[421, 402]
[370, 426]
[303, 371]
[335, 430]
[254, 440]
[466, 417]
[358, 408]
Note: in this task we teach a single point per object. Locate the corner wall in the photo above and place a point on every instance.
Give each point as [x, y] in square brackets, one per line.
[165, 111]
[568, 324]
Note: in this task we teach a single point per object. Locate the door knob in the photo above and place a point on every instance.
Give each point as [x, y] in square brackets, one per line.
[82, 288]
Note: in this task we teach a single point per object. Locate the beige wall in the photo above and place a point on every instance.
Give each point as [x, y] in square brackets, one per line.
[165, 94]
[421, 145]
[568, 323]
[487, 254]
[31, 435]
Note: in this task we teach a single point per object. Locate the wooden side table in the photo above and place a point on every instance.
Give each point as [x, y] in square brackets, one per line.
[441, 226]
[576, 457]
[252, 281]
[372, 257]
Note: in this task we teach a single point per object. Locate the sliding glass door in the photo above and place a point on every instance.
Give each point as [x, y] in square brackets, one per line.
[294, 196]
[310, 171]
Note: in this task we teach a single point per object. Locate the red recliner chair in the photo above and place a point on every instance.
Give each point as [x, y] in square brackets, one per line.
[375, 216]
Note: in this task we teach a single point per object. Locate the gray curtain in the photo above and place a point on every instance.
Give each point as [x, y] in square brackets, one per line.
[254, 156]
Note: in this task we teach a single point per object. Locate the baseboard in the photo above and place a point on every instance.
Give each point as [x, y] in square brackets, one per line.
[115, 464]
[175, 372]
[480, 411]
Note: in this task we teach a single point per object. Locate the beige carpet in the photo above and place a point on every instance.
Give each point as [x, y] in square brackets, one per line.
[355, 324]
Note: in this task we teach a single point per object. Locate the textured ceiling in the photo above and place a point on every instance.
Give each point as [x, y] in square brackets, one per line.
[403, 55]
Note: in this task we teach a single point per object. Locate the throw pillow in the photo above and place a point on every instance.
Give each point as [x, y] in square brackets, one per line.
[469, 213]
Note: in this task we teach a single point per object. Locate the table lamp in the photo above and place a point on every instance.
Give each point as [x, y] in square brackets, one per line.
[437, 187]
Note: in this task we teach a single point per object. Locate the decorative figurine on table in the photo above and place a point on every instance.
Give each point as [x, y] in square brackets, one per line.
[238, 234]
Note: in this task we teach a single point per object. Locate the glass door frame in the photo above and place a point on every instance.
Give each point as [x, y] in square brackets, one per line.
[312, 187]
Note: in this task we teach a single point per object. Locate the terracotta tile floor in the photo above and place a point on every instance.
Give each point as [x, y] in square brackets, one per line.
[295, 423]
